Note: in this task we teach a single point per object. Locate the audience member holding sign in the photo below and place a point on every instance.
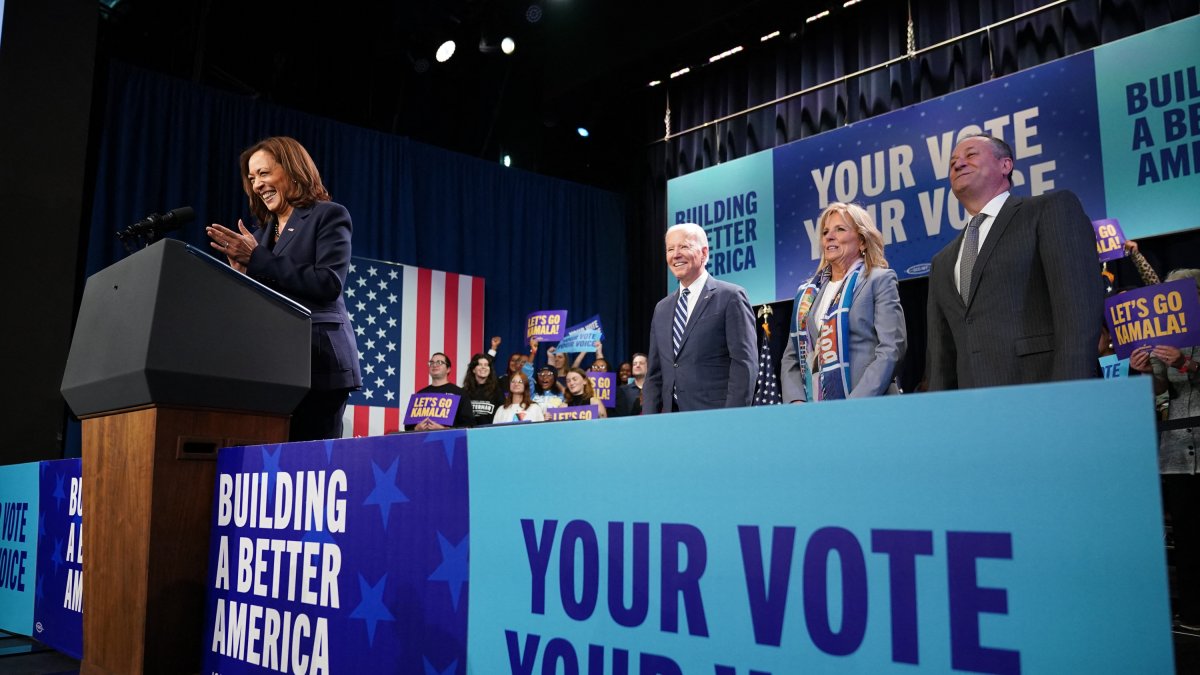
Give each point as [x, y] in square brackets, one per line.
[848, 335]
[580, 391]
[439, 383]
[1176, 374]
[518, 405]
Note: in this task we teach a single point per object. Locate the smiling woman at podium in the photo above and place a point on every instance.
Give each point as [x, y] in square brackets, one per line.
[301, 249]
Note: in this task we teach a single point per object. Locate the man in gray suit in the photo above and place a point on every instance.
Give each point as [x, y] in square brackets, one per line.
[702, 353]
[1016, 298]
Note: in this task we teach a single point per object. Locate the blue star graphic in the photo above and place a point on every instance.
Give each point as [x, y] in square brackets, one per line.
[448, 441]
[430, 670]
[453, 569]
[321, 537]
[371, 609]
[328, 451]
[57, 558]
[271, 468]
[385, 493]
[59, 495]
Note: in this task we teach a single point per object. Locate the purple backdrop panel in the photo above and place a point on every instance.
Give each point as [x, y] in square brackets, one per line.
[57, 609]
[346, 556]
[437, 407]
[546, 325]
[1110, 239]
[1164, 314]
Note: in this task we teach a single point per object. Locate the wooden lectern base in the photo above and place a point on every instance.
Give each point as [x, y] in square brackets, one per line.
[147, 491]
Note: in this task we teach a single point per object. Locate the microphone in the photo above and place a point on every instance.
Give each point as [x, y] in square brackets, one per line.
[157, 224]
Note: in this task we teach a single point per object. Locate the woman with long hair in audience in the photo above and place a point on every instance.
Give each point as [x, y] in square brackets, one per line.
[483, 391]
[518, 404]
[855, 299]
[580, 390]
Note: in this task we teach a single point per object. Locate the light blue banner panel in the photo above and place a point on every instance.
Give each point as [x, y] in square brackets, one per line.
[735, 204]
[1118, 126]
[1148, 94]
[1005, 530]
[18, 546]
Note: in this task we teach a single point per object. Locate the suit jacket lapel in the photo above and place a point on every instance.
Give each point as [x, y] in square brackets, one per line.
[999, 225]
[698, 311]
[299, 214]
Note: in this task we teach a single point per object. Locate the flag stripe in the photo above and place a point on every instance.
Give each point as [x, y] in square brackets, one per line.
[421, 356]
[408, 335]
[476, 332]
[450, 327]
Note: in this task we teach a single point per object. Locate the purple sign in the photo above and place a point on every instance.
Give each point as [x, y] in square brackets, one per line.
[339, 557]
[1165, 314]
[437, 407]
[58, 605]
[1110, 239]
[574, 412]
[547, 325]
[605, 385]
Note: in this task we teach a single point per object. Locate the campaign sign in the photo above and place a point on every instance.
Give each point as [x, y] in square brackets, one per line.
[439, 408]
[605, 385]
[1114, 367]
[927, 549]
[573, 412]
[58, 608]
[340, 557]
[18, 545]
[546, 325]
[582, 337]
[1163, 314]
[1110, 239]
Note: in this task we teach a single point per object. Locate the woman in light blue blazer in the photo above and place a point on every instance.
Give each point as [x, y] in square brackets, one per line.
[847, 330]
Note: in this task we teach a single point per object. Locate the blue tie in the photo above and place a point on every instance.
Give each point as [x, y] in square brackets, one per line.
[680, 319]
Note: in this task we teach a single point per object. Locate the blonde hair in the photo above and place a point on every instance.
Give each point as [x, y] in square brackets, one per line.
[862, 223]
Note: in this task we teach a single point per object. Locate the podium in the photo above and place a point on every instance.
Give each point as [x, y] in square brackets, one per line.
[174, 356]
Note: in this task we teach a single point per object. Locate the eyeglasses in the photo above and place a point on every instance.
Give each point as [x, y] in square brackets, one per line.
[437, 362]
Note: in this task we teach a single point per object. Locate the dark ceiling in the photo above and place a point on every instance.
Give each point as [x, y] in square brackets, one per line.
[370, 63]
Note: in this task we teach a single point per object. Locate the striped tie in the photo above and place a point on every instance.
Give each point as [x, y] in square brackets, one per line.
[970, 249]
[680, 319]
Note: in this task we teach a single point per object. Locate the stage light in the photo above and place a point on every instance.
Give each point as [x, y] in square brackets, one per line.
[445, 51]
[768, 36]
[582, 131]
[681, 71]
[507, 45]
[654, 83]
[533, 14]
[847, 3]
[814, 17]
[727, 52]
[506, 160]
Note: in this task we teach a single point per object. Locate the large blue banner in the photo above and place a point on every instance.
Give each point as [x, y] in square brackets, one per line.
[58, 609]
[340, 556]
[1000, 535]
[1114, 125]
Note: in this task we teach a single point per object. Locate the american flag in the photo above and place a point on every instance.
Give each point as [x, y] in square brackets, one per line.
[401, 315]
[766, 387]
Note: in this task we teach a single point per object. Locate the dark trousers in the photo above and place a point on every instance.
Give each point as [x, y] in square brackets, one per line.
[1181, 494]
[319, 415]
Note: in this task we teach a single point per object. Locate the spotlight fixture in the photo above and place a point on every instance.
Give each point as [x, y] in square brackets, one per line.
[506, 160]
[727, 52]
[421, 65]
[654, 83]
[814, 17]
[445, 51]
[507, 45]
[582, 131]
[847, 3]
[533, 14]
[768, 36]
[681, 71]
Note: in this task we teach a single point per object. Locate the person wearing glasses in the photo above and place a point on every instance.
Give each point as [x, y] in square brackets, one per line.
[439, 383]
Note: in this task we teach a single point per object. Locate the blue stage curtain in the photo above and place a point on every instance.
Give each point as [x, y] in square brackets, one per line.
[540, 243]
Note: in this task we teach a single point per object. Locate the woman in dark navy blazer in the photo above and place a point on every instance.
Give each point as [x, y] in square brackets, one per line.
[301, 249]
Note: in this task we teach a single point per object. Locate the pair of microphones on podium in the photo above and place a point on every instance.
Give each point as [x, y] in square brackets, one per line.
[151, 228]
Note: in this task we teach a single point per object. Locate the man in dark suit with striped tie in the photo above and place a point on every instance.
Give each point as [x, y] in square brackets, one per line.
[1016, 298]
[702, 352]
